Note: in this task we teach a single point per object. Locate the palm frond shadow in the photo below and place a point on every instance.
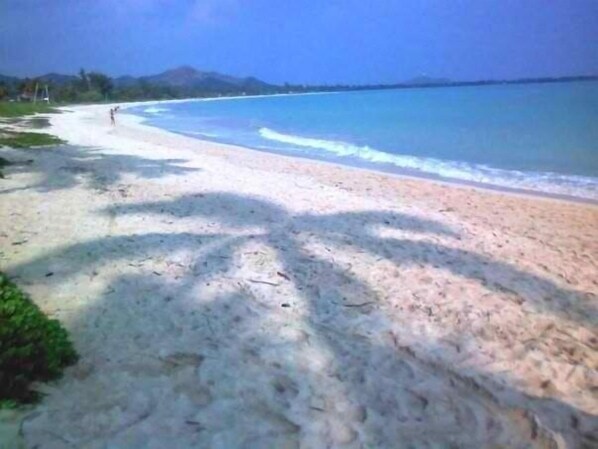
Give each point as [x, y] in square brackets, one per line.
[228, 208]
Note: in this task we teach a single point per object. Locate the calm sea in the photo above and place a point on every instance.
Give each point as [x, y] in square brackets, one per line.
[539, 137]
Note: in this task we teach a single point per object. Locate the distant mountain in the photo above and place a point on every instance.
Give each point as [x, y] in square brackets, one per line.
[184, 77]
[125, 81]
[189, 77]
[50, 78]
[57, 78]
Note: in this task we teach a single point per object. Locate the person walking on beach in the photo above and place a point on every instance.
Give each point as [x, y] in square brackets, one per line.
[112, 121]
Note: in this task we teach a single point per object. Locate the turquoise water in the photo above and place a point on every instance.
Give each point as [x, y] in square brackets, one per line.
[541, 137]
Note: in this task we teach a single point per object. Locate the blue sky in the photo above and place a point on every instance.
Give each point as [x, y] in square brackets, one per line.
[303, 41]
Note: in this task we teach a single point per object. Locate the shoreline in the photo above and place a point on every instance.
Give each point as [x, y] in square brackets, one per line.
[272, 301]
[381, 168]
[401, 173]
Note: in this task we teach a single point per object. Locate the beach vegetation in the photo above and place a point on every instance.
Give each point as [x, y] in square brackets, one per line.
[33, 347]
[27, 139]
[19, 109]
[92, 96]
[102, 83]
[3, 91]
[19, 113]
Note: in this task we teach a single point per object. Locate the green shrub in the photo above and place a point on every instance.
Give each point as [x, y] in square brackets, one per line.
[15, 109]
[32, 346]
[93, 96]
[26, 139]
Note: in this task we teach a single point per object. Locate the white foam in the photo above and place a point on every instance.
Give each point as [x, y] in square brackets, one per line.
[155, 110]
[202, 133]
[553, 183]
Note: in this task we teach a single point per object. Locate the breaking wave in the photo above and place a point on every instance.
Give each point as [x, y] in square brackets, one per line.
[155, 110]
[547, 182]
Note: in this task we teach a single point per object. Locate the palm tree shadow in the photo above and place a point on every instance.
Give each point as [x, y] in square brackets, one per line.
[545, 297]
[66, 166]
[275, 389]
[338, 229]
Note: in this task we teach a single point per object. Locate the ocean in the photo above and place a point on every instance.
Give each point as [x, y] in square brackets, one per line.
[533, 137]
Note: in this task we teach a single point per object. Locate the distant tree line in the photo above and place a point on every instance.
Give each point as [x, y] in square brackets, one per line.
[86, 87]
[93, 87]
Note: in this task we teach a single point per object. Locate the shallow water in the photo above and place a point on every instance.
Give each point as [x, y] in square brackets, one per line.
[539, 137]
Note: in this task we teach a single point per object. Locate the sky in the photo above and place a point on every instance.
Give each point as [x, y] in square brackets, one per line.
[303, 41]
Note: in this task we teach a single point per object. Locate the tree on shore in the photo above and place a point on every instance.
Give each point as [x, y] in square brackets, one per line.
[3, 90]
[83, 82]
[100, 82]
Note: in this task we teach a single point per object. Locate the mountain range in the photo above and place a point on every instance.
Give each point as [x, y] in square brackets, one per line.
[181, 77]
[186, 76]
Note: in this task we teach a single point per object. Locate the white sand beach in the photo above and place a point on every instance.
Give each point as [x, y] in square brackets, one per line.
[221, 297]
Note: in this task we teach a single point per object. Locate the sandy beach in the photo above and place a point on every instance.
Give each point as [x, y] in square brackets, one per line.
[222, 297]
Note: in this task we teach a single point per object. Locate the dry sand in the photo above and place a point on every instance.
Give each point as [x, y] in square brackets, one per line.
[226, 298]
